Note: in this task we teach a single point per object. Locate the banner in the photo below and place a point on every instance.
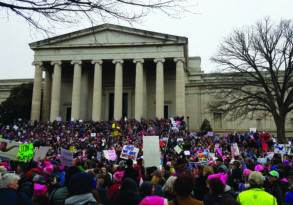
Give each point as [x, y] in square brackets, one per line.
[110, 154]
[41, 153]
[8, 149]
[66, 157]
[25, 152]
[129, 152]
[151, 151]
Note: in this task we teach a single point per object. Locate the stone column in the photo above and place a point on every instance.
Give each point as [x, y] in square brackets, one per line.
[118, 92]
[138, 104]
[97, 91]
[159, 87]
[180, 87]
[36, 98]
[47, 96]
[75, 102]
[56, 91]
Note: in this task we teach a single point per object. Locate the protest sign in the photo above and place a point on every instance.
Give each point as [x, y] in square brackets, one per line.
[110, 154]
[282, 149]
[66, 157]
[129, 152]
[8, 149]
[41, 153]
[93, 134]
[178, 149]
[235, 150]
[180, 140]
[187, 153]
[253, 130]
[25, 152]
[262, 160]
[210, 134]
[151, 151]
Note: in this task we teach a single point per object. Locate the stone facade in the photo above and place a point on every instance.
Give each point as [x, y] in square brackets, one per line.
[109, 71]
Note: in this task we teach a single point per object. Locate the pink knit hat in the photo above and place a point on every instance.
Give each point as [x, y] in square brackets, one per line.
[40, 189]
[246, 172]
[221, 176]
[153, 200]
[259, 168]
[118, 176]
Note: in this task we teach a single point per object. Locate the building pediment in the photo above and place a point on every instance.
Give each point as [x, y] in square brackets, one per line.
[107, 35]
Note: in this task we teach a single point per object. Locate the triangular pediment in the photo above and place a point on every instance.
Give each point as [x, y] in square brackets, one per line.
[108, 35]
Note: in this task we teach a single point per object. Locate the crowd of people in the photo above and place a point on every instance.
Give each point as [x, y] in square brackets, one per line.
[196, 167]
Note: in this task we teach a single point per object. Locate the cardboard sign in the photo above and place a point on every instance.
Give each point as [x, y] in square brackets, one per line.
[110, 154]
[66, 157]
[25, 152]
[129, 152]
[151, 151]
[41, 153]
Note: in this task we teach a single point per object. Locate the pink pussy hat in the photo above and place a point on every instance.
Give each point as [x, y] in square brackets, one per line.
[259, 168]
[221, 176]
[154, 200]
[246, 172]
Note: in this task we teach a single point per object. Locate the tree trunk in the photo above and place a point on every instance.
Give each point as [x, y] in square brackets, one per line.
[280, 124]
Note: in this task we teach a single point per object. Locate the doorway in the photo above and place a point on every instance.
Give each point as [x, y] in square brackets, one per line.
[68, 114]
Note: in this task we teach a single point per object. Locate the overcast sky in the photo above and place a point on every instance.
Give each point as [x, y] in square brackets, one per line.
[214, 20]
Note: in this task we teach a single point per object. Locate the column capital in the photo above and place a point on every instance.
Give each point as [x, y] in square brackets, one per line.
[179, 59]
[162, 60]
[76, 62]
[117, 61]
[97, 61]
[39, 63]
[138, 60]
[56, 62]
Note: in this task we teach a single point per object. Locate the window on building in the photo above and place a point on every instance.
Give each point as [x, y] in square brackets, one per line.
[218, 120]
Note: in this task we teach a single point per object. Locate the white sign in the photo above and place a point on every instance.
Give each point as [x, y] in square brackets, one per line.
[66, 157]
[235, 150]
[93, 134]
[210, 134]
[110, 154]
[252, 130]
[187, 152]
[151, 151]
[178, 149]
[41, 153]
[11, 146]
[129, 152]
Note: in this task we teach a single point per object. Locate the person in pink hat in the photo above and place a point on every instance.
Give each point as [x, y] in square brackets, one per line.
[153, 200]
[115, 187]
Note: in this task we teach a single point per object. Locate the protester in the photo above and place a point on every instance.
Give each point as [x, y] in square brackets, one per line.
[196, 168]
[255, 194]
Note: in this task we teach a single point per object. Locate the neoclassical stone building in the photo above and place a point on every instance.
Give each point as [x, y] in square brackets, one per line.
[109, 72]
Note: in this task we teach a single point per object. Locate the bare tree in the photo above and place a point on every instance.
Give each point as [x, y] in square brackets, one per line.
[261, 59]
[41, 13]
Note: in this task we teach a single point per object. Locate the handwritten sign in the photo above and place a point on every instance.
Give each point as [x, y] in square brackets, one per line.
[66, 157]
[110, 154]
[129, 152]
[25, 152]
[41, 153]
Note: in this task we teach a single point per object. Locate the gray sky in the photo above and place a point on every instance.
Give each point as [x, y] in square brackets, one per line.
[214, 20]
